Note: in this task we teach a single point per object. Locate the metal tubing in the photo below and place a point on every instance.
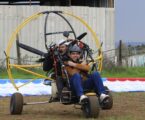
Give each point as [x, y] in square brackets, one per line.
[35, 103]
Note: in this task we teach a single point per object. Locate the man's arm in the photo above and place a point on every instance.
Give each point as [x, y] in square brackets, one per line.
[83, 67]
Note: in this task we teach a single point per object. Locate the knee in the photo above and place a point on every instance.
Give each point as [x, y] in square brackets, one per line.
[95, 73]
[76, 75]
[96, 76]
[75, 79]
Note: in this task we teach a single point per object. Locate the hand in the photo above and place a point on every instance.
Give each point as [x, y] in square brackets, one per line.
[70, 63]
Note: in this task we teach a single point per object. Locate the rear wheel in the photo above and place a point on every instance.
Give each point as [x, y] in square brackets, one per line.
[16, 104]
[91, 108]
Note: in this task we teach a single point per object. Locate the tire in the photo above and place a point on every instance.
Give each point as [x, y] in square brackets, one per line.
[16, 104]
[109, 104]
[92, 108]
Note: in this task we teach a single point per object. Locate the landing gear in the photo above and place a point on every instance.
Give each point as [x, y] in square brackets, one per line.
[16, 104]
[91, 109]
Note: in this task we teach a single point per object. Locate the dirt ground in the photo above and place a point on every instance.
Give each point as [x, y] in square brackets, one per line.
[127, 106]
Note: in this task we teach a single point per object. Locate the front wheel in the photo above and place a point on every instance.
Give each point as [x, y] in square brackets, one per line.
[16, 104]
[92, 108]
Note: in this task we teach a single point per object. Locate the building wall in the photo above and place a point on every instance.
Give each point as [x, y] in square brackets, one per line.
[100, 19]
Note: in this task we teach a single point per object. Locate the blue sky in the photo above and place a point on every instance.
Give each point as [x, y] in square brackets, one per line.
[130, 20]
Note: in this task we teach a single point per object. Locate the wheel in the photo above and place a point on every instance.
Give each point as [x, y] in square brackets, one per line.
[109, 103]
[92, 108]
[16, 104]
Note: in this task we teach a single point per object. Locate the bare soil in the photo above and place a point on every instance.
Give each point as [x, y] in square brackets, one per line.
[127, 106]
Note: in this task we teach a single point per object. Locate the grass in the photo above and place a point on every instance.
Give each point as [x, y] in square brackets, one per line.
[121, 72]
[20, 74]
[118, 72]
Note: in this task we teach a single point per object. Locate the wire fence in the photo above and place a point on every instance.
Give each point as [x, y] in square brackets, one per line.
[125, 55]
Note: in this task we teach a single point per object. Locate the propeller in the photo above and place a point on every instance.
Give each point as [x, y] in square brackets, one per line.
[78, 39]
[43, 54]
[81, 36]
[31, 49]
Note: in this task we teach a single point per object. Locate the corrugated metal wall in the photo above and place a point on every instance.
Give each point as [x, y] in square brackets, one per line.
[136, 60]
[100, 19]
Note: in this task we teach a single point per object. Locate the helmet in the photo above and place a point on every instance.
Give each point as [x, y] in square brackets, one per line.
[74, 48]
[62, 42]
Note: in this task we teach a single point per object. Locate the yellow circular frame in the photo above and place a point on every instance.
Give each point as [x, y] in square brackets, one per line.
[98, 58]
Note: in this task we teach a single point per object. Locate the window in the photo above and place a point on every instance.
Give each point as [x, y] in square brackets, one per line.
[90, 3]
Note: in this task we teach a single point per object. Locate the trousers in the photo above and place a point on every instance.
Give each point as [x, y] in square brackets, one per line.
[93, 82]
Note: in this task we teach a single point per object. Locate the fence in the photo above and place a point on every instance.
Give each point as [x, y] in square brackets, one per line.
[125, 55]
[111, 58]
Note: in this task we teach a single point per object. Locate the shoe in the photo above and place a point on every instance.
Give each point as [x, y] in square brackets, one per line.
[103, 97]
[83, 99]
[46, 82]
